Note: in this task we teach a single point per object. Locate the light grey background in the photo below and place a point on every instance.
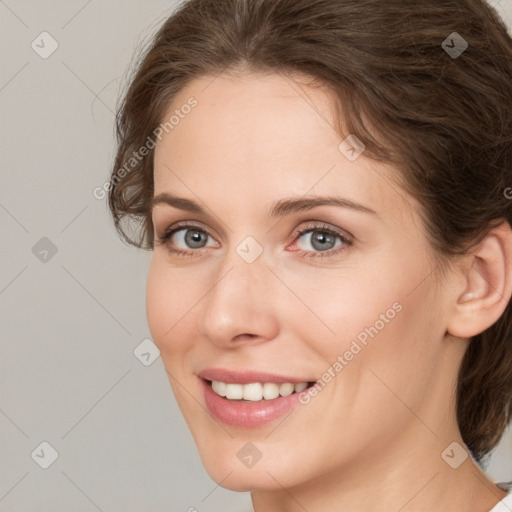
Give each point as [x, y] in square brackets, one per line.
[70, 324]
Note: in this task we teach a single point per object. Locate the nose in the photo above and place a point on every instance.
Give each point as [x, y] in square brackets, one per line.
[242, 305]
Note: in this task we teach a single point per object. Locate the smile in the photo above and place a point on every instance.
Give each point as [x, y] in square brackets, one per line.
[256, 391]
[250, 399]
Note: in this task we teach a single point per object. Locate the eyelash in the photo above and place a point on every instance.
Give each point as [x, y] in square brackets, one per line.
[166, 236]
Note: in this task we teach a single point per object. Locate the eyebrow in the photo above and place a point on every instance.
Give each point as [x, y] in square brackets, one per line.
[279, 208]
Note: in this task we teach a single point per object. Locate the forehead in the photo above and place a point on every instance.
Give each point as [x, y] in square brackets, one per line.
[268, 136]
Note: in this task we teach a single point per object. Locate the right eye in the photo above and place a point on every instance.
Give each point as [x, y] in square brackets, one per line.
[184, 239]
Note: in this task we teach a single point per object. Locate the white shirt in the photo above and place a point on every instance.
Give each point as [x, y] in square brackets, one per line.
[505, 505]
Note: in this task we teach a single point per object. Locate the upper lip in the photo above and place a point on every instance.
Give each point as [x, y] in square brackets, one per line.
[246, 377]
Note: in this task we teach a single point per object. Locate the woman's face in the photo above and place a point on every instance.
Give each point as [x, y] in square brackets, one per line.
[252, 301]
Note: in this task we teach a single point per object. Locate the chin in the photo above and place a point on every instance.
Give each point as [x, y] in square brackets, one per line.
[260, 477]
[240, 464]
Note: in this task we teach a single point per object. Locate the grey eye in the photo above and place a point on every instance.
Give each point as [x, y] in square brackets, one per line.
[193, 238]
[319, 240]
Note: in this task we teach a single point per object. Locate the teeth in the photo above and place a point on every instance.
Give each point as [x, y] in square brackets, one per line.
[301, 386]
[254, 392]
[286, 389]
[270, 390]
[234, 391]
[219, 387]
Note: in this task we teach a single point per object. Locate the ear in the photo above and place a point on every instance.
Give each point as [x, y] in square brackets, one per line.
[486, 287]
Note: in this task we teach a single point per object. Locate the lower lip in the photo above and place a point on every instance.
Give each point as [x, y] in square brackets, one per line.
[248, 414]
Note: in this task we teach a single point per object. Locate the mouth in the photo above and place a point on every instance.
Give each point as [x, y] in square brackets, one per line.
[256, 391]
[249, 399]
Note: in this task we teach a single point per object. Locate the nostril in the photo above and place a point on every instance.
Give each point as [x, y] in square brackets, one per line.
[241, 337]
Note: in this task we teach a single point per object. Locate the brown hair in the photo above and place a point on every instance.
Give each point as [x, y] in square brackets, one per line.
[443, 120]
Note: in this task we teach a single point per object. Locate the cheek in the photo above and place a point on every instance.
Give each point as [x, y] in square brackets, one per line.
[169, 317]
[382, 293]
[389, 340]
[379, 315]
[156, 297]
[340, 305]
[166, 304]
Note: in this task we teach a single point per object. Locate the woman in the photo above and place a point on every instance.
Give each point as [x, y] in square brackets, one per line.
[325, 185]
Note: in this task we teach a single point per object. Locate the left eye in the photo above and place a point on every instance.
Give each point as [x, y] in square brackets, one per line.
[320, 239]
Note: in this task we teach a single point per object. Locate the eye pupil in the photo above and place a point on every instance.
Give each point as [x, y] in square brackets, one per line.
[323, 239]
[193, 238]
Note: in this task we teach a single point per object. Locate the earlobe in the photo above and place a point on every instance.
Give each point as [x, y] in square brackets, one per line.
[487, 285]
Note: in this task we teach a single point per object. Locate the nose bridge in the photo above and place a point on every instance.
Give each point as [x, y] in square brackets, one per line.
[239, 300]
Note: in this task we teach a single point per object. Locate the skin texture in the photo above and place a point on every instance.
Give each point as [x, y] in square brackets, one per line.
[372, 438]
